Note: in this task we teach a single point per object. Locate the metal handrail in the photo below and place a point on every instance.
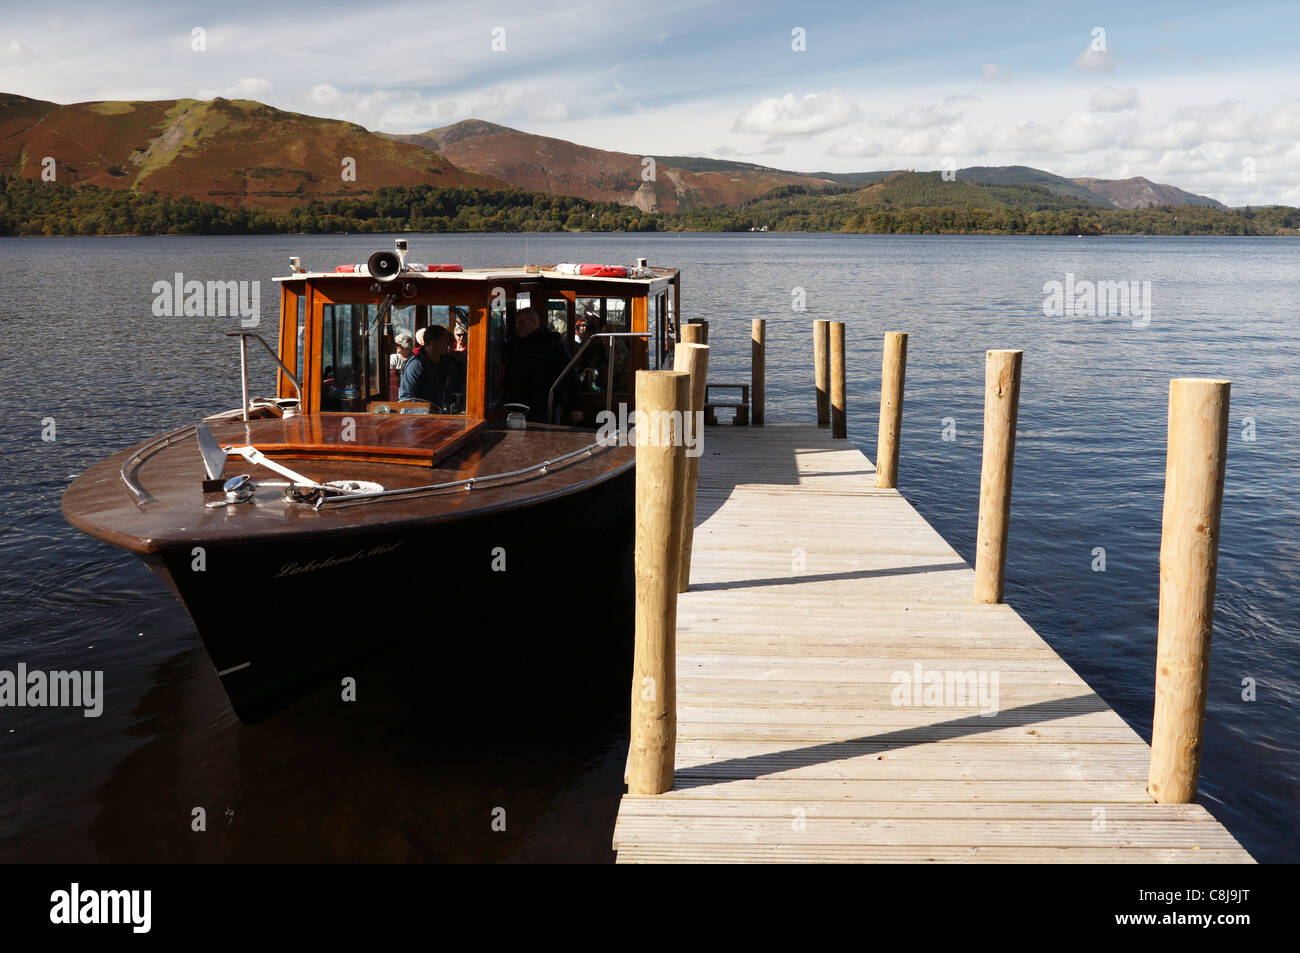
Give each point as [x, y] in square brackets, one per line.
[609, 393]
[356, 498]
[243, 336]
[138, 457]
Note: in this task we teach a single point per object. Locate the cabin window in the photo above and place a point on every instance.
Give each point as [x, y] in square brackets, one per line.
[339, 377]
[613, 311]
[557, 315]
[496, 356]
[615, 314]
[302, 326]
[372, 333]
[400, 321]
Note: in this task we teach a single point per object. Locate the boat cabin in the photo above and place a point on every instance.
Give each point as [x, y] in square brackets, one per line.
[340, 331]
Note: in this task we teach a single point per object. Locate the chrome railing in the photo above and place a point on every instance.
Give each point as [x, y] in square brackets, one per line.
[351, 499]
[609, 372]
[243, 336]
[159, 443]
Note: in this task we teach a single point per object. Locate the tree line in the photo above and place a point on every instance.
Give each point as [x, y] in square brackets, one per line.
[909, 206]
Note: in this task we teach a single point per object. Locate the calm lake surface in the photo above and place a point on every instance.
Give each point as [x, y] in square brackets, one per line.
[405, 777]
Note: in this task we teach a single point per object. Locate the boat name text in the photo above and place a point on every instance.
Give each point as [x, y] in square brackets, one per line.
[296, 569]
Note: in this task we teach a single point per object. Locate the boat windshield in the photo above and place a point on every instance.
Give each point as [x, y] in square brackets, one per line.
[414, 363]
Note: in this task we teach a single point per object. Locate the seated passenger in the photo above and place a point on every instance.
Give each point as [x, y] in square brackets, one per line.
[594, 367]
[434, 374]
[461, 332]
[397, 362]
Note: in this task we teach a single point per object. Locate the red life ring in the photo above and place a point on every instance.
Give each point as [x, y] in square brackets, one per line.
[603, 271]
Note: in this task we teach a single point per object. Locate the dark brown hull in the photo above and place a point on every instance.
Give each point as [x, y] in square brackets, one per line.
[287, 598]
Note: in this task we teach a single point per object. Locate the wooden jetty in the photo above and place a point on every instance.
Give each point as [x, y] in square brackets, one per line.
[817, 600]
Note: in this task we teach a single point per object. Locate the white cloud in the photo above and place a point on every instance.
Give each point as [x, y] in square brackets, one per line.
[994, 73]
[15, 53]
[853, 148]
[1095, 61]
[802, 116]
[1112, 99]
[927, 117]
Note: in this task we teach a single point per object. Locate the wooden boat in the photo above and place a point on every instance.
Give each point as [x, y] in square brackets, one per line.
[356, 518]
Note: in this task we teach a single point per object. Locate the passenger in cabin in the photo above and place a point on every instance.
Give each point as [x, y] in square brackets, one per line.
[461, 335]
[593, 370]
[434, 375]
[588, 323]
[397, 362]
[595, 359]
[535, 359]
[405, 345]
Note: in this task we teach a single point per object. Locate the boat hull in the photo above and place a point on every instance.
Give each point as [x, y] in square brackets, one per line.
[539, 590]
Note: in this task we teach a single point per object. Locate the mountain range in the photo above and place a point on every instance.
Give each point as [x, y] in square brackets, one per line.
[245, 154]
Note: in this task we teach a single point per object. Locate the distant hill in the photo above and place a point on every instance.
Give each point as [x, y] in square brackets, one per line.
[236, 153]
[1140, 192]
[242, 154]
[701, 164]
[903, 190]
[1024, 175]
[544, 164]
[1132, 193]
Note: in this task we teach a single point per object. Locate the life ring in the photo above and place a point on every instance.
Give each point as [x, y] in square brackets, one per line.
[595, 271]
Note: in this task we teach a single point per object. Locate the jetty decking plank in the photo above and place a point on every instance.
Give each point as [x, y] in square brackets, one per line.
[810, 589]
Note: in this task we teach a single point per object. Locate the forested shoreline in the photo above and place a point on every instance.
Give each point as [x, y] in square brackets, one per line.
[911, 204]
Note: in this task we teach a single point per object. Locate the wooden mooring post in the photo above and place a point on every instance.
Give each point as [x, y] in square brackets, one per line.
[821, 370]
[839, 415]
[697, 332]
[1195, 459]
[757, 370]
[893, 369]
[1001, 405]
[660, 497]
[694, 360]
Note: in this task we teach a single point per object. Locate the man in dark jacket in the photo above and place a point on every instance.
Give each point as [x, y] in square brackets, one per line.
[434, 374]
[537, 356]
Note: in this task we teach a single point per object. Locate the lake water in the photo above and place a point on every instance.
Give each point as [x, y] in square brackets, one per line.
[407, 779]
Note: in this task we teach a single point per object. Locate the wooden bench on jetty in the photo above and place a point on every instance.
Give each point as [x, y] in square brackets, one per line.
[838, 685]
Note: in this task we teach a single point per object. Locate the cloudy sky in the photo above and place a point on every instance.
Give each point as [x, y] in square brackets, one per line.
[1199, 95]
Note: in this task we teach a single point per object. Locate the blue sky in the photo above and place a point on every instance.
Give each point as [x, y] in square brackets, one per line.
[1204, 96]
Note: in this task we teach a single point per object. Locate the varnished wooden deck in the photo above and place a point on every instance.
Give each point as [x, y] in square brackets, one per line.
[810, 589]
